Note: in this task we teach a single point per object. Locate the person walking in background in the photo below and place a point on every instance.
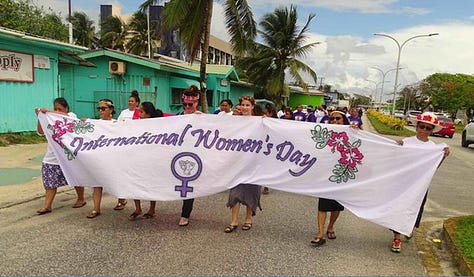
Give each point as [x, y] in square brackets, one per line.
[51, 173]
[225, 107]
[299, 115]
[147, 110]
[355, 119]
[327, 116]
[246, 194]
[281, 112]
[132, 112]
[106, 112]
[329, 205]
[190, 100]
[236, 110]
[426, 123]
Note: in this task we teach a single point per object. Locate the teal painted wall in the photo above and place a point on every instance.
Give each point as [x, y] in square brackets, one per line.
[18, 99]
[313, 100]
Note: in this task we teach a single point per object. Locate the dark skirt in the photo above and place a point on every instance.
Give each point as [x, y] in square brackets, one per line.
[329, 205]
[53, 176]
[246, 194]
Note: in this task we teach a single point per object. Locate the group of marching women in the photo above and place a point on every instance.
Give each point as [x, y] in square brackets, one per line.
[242, 194]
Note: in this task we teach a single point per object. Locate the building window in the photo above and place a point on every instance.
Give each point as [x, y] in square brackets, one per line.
[176, 96]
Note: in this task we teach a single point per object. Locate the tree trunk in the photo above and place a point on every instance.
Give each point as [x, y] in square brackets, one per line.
[204, 55]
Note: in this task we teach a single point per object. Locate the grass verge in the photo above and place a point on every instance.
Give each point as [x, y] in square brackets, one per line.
[385, 130]
[20, 138]
[465, 237]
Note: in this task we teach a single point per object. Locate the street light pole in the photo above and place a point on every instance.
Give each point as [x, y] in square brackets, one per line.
[398, 59]
[383, 78]
[376, 86]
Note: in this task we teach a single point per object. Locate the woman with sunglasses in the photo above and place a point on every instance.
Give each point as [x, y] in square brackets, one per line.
[190, 100]
[246, 194]
[329, 205]
[106, 111]
[426, 123]
[52, 175]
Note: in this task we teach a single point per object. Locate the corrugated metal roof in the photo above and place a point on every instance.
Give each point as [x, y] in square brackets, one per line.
[46, 42]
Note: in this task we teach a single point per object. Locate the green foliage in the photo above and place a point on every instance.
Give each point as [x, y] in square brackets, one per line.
[450, 92]
[381, 124]
[24, 16]
[283, 44]
[83, 29]
[20, 138]
[465, 237]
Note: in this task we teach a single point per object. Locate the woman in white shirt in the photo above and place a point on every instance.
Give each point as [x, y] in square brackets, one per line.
[132, 112]
[51, 172]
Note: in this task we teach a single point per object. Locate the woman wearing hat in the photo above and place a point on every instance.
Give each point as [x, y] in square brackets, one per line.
[426, 123]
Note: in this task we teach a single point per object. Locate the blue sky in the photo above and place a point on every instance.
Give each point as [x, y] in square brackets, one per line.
[349, 49]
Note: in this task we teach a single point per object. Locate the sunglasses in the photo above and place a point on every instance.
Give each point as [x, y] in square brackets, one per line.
[425, 127]
[188, 104]
[102, 108]
[335, 118]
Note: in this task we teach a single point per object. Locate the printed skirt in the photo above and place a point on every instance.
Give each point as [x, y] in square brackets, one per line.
[53, 176]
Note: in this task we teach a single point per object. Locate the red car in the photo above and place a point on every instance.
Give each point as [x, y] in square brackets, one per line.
[448, 127]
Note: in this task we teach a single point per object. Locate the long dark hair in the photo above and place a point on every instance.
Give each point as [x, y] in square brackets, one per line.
[150, 109]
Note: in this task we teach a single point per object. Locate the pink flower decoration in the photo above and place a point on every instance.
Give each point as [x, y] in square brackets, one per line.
[351, 157]
[338, 141]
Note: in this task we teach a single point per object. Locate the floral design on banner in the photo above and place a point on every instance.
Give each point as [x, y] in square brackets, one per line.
[64, 126]
[350, 155]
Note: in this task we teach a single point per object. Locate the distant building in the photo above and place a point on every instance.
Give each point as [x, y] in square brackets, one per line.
[169, 42]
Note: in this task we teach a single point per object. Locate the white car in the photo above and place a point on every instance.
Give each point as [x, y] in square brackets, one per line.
[468, 134]
[411, 117]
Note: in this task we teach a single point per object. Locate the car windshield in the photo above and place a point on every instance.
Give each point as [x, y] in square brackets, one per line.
[444, 119]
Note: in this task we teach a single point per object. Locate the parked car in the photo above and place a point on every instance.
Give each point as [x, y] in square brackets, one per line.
[468, 134]
[448, 127]
[399, 114]
[411, 117]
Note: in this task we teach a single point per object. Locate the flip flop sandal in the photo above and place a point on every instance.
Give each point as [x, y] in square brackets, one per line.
[134, 216]
[316, 242]
[79, 205]
[148, 216]
[230, 228]
[93, 214]
[120, 205]
[331, 234]
[247, 226]
[43, 211]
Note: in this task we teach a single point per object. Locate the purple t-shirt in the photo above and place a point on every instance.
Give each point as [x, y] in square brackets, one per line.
[299, 116]
[356, 119]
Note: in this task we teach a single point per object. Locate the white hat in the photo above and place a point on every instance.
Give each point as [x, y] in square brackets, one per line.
[429, 118]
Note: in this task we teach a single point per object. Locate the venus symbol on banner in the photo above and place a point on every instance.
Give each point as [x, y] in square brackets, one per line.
[186, 167]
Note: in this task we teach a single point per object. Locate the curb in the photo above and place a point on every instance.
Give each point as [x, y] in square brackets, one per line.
[449, 228]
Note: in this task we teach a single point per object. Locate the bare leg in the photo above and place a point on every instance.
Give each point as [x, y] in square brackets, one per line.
[248, 215]
[235, 214]
[80, 196]
[138, 207]
[332, 220]
[49, 197]
[151, 211]
[97, 196]
[321, 223]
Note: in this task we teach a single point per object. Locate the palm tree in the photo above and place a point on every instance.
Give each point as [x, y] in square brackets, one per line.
[83, 29]
[138, 44]
[113, 32]
[283, 44]
[193, 19]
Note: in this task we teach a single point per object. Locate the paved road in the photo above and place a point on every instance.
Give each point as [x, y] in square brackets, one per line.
[65, 242]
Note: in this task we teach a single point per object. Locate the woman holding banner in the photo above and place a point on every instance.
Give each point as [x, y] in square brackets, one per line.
[51, 172]
[190, 100]
[147, 110]
[106, 111]
[329, 205]
[426, 123]
[246, 194]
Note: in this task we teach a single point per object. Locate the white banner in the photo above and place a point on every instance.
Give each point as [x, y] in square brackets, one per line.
[192, 156]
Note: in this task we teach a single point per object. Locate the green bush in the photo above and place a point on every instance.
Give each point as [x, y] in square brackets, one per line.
[465, 237]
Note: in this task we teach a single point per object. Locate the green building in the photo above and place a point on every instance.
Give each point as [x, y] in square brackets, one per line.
[39, 70]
